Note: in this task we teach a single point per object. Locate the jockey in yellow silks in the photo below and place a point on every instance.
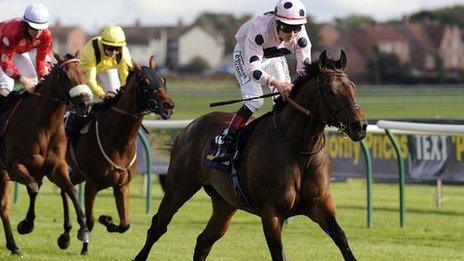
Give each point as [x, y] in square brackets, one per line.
[106, 61]
[104, 58]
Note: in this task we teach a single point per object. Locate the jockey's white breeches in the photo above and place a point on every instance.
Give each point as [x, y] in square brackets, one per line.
[109, 80]
[25, 67]
[277, 67]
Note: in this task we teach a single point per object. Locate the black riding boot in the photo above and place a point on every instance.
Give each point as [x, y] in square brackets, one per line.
[223, 145]
[73, 125]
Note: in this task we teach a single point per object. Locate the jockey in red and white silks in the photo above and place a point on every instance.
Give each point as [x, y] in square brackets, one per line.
[18, 36]
[259, 60]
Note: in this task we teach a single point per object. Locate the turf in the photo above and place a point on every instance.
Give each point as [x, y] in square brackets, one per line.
[430, 233]
[386, 102]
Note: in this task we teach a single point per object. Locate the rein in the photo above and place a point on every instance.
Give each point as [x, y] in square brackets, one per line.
[337, 123]
[132, 115]
[53, 99]
[293, 146]
[108, 159]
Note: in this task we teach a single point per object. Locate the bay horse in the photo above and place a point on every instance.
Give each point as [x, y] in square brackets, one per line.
[34, 144]
[284, 168]
[105, 157]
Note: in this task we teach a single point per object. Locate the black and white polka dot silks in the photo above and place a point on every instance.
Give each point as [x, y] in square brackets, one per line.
[260, 40]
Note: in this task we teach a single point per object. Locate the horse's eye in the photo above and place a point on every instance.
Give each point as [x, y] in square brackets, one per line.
[330, 92]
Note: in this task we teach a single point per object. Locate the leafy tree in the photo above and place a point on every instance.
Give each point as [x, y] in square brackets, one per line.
[196, 65]
[353, 21]
[226, 24]
[386, 68]
[448, 15]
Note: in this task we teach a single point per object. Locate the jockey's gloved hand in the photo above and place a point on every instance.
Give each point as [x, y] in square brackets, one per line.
[28, 83]
[109, 94]
[283, 87]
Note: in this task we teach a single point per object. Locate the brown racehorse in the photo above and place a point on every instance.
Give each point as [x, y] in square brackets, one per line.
[106, 158]
[284, 169]
[34, 144]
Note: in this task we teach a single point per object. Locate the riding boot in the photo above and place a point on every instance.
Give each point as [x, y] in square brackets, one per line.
[73, 125]
[223, 145]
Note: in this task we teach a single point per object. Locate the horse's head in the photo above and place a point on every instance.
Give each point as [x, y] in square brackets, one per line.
[72, 81]
[152, 94]
[339, 106]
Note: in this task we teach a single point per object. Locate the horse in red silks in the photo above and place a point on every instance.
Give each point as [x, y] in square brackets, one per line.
[34, 144]
[284, 168]
[105, 156]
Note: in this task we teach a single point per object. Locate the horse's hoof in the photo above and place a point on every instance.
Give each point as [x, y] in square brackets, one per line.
[84, 252]
[83, 235]
[105, 220]
[25, 227]
[16, 252]
[63, 241]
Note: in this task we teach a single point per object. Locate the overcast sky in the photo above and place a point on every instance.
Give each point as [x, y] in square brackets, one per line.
[92, 14]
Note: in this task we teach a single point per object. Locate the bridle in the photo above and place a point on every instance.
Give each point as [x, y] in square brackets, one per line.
[66, 100]
[146, 96]
[332, 120]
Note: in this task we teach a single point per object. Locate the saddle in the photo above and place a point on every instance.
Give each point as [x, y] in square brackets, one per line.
[8, 107]
[233, 166]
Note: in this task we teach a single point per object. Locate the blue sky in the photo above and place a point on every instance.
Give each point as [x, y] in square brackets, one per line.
[93, 14]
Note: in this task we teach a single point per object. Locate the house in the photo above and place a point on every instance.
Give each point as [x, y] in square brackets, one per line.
[333, 40]
[175, 46]
[384, 36]
[447, 40]
[423, 54]
[68, 39]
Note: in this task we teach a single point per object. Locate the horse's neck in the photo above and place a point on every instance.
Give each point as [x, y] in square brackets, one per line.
[45, 106]
[300, 129]
[126, 125]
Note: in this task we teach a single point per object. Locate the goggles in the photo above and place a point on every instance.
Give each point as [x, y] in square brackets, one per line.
[110, 48]
[288, 28]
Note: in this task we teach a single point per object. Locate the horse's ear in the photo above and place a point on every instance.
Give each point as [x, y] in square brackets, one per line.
[341, 63]
[58, 57]
[78, 54]
[137, 66]
[152, 62]
[164, 80]
[322, 61]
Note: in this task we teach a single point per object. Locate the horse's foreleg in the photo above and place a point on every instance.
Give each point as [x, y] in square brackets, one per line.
[272, 226]
[121, 196]
[63, 240]
[324, 214]
[90, 194]
[176, 195]
[18, 172]
[217, 226]
[61, 178]
[5, 208]
[27, 224]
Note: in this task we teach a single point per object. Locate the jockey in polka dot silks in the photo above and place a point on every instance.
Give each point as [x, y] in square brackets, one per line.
[262, 43]
[18, 36]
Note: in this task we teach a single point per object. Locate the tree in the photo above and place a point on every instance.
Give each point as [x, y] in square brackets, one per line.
[448, 15]
[386, 68]
[226, 24]
[196, 65]
[353, 21]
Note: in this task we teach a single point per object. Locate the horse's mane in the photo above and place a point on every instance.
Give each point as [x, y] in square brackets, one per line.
[52, 69]
[311, 71]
